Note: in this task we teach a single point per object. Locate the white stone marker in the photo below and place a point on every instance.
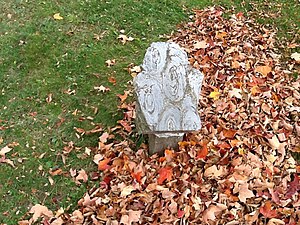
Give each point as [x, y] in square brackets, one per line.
[167, 92]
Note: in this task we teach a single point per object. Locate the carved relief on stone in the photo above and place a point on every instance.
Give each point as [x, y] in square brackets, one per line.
[167, 91]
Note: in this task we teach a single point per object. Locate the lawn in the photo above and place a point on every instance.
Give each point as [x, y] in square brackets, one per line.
[49, 68]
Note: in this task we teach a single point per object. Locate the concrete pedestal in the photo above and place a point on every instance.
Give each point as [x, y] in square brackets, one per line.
[157, 144]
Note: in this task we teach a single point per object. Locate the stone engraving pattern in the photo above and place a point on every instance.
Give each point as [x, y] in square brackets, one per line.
[167, 91]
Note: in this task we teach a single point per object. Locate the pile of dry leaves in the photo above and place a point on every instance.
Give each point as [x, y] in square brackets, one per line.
[236, 170]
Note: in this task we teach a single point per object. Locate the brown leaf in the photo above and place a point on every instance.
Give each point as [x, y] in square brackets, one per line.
[244, 192]
[126, 125]
[55, 172]
[293, 187]
[214, 172]
[103, 138]
[211, 211]
[229, 133]
[49, 98]
[82, 176]
[39, 211]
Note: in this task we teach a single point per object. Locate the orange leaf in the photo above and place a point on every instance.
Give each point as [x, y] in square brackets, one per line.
[137, 176]
[102, 165]
[223, 145]
[123, 97]
[235, 64]
[55, 172]
[169, 154]
[202, 153]
[112, 80]
[229, 133]
[165, 173]
[264, 70]
[266, 210]
[255, 90]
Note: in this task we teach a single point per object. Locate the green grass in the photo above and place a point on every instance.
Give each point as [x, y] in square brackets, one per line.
[41, 56]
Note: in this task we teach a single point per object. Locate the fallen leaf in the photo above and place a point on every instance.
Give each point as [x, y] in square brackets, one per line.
[211, 212]
[39, 211]
[221, 34]
[5, 150]
[102, 165]
[215, 94]
[200, 44]
[137, 176]
[103, 138]
[127, 190]
[244, 192]
[264, 70]
[293, 187]
[202, 153]
[229, 133]
[235, 92]
[274, 142]
[49, 98]
[24, 222]
[180, 213]
[165, 173]
[267, 211]
[136, 69]
[82, 176]
[110, 62]
[51, 181]
[123, 38]
[134, 216]
[57, 16]
[126, 125]
[214, 172]
[124, 96]
[77, 217]
[112, 80]
[55, 172]
[275, 221]
[101, 88]
[296, 56]
[235, 64]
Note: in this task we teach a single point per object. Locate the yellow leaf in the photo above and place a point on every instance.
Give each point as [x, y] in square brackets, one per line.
[56, 16]
[221, 34]
[241, 151]
[264, 70]
[215, 94]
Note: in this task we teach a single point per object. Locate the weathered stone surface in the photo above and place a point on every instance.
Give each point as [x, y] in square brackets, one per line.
[167, 93]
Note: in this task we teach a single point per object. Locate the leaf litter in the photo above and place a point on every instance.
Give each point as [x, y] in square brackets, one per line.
[237, 169]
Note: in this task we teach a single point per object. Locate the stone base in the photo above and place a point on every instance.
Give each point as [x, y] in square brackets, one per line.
[157, 144]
